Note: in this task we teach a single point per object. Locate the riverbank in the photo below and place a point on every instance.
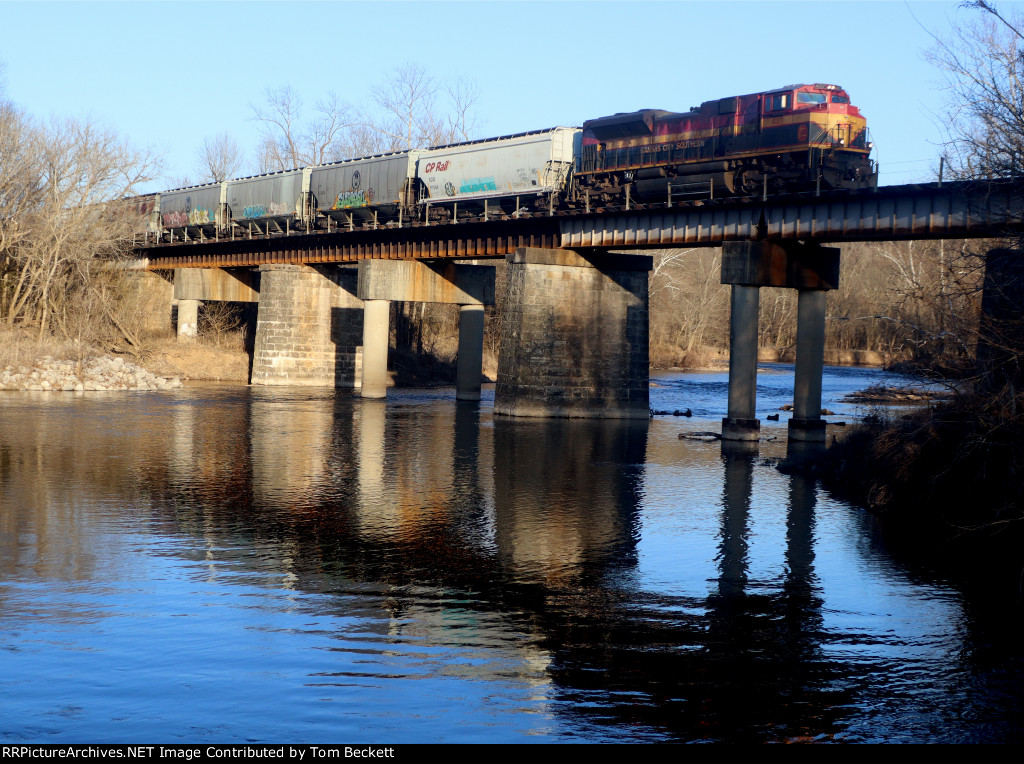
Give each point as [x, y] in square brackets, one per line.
[948, 477]
[711, 358]
[26, 363]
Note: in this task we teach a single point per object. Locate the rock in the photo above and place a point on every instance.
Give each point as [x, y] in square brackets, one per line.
[103, 373]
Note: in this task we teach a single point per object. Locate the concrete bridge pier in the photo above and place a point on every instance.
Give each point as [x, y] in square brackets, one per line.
[471, 353]
[807, 424]
[193, 286]
[471, 287]
[808, 267]
[376, 329]
[574, 335]
[741, 421]
[188, 319]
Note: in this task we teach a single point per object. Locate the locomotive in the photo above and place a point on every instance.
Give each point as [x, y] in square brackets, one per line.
[794, 139]
[780, 141]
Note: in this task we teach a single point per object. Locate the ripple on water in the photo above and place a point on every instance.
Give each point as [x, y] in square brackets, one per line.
[232, 564]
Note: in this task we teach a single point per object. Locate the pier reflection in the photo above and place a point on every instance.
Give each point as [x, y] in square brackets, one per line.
[499, 550]
[566, 495]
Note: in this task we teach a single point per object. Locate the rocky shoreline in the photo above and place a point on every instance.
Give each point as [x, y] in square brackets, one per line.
[99, 373]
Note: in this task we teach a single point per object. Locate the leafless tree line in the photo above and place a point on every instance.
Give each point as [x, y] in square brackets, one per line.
[915, 301]
[63, 222]
[409, 109]
[982, 65]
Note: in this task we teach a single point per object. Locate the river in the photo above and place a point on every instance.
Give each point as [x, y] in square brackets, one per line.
[233, 564]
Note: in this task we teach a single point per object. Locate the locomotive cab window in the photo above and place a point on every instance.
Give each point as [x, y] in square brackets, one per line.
[840, 99]
[811, 98]
[778, 101]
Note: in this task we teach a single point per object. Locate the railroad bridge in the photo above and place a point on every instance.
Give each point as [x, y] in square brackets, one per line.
[575, 325]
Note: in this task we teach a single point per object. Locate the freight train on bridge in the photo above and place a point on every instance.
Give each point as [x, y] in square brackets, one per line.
[797, 138]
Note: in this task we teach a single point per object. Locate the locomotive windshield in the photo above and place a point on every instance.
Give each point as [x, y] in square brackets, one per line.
[840, 99]
[811, 98]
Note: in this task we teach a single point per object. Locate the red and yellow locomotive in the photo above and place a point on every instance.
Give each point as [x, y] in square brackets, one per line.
[797, 138]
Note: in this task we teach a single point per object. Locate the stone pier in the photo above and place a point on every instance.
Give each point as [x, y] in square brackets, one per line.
[469, 286]
[574, 337]
[1000, 356]
[309, 327]
[809, 268]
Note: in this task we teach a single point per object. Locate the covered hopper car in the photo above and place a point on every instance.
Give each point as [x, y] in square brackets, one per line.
[798, 138]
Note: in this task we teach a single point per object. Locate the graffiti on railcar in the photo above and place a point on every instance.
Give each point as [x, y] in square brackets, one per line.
[474, 185]
[524, 176]
[144, 207]
[350, 199]
[266, 210]
[175, 219]
[182, 218]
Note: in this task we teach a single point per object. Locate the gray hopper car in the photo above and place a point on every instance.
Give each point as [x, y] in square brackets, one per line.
[496, 177]
[192, 212]
[269, 202]
[375, 189]
[513, 173]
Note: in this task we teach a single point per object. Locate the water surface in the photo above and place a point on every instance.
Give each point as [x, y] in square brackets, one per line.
[231, 564]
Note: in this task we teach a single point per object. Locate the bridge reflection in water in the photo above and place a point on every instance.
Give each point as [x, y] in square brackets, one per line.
[538, 523]
[433, 571]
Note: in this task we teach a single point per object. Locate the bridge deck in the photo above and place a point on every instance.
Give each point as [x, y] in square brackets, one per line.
[919, 211]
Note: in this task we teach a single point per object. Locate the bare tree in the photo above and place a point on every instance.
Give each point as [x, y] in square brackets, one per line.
[407, 100]
[410, 109]
[983, 64]
[20, 188]
[220, 159]
[75, 219]
[689, 305]
[410, 115]
[462, 120]
[293, 139]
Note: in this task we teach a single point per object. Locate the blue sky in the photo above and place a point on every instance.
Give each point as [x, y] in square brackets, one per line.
[169, 74]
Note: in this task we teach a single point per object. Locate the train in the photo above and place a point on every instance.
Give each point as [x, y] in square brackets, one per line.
[794, 139]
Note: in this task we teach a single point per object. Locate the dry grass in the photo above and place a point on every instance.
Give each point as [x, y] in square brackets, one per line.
[199, 361]
[665, 356]
[21, 347]
[165, 356]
